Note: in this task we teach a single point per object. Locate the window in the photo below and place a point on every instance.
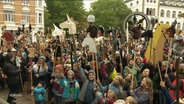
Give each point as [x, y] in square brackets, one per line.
[131, 4]
[153, 12]
[25, 2]
[162, 13]
[183, 27]
[39, 2]
[174, 14]
[161, 22]
[147, 11]
[150, 10]
[40, 18]
[168, 14]
[154, 1]
[137, 2]
[178, 26]
[179, 13]
[9, 16]
[8, 1]
[167, 22]
[26, 16]
[148, 1]
[137, 10]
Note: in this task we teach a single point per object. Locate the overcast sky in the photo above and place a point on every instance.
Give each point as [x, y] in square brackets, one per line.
[87, 4]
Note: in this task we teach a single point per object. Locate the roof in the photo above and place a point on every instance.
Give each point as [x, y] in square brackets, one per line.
[177, 3]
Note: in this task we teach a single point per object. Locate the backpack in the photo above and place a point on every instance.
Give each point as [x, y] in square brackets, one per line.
[173, 91]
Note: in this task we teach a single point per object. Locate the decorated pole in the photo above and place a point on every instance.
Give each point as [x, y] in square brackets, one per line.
[127, 38]
[170, 31]
[121, 66]
[169, 53]
[71, 26]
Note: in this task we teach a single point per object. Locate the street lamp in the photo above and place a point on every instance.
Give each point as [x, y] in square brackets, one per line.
[91, 18]
[92, 29]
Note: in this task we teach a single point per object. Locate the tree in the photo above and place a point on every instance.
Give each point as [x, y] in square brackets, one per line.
[47, 19]
[109, 12]
[57, 10]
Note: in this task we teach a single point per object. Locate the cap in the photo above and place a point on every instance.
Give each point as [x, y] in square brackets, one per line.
[13, 50]
[42, 57]
[59, 67]
[91, 71]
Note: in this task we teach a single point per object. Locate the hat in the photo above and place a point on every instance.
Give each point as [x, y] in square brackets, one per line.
[42, 57]
[13, 50]
[91, 71]
[59, 67]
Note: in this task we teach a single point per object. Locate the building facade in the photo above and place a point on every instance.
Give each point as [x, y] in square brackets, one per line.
[166, 11]
[16, 13]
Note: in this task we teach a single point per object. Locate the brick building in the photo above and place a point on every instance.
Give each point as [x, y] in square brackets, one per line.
[15, 13]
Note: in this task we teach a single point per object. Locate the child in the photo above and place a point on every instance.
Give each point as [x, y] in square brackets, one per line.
[130, 100]
[111, 97]
[87, 94]
[144, 93]
[120, 101]
[39, 94]
[57, 88]
[70, 88]
[116, 86]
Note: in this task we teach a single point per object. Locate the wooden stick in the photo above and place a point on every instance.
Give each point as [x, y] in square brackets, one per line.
[93, 60]
[97, 73]
[31, 78]
[121, 70]
[168, 56]
[134, 61]
[177, 79]
[21, 82]
[158, 67]
[156, 57]
[127, 37]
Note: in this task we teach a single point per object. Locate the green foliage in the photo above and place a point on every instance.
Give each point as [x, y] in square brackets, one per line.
[57, 10]
[47, 21]
[109, 12]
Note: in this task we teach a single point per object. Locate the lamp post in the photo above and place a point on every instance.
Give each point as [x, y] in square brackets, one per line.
[91, 19]
[92, 29]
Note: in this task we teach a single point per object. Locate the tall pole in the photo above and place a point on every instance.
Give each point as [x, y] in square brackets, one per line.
[158, 10]
[143, 3]
[71, 53]
[177, 80]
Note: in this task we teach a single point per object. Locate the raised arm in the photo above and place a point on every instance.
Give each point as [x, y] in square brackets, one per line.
[173, 86]
[82, 75]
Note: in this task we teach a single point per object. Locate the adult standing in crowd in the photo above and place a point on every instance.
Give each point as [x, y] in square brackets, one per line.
[12, 80]
[40, 72]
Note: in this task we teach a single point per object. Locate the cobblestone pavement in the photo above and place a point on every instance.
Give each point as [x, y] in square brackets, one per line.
[22, 98]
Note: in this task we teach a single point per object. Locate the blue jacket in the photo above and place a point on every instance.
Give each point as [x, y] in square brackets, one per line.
[39, 94]
[70, 89]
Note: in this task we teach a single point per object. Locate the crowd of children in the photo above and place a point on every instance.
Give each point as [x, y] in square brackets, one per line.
[83, 77]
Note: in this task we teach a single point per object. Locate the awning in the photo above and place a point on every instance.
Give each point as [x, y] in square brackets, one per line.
[25, 9]
[8, 8]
